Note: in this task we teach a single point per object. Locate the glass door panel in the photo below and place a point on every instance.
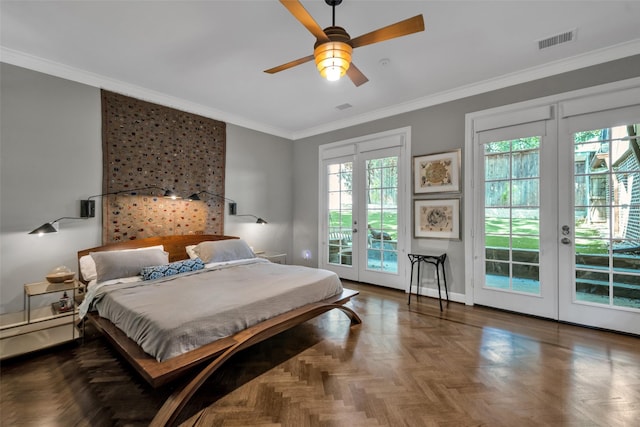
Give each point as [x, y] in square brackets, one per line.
[340, 213]
[607, 217]
[512, 215]
[382, 214]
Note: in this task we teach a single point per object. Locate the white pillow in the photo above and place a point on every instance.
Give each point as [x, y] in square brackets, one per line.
[117, 264]
[223, 250]
[88, 265]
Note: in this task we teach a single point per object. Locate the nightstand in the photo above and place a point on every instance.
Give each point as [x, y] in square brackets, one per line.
[275, 257]
[42, 288]
[39, 327]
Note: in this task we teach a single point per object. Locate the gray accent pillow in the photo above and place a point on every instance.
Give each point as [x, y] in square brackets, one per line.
[223, 250]
[118, 264]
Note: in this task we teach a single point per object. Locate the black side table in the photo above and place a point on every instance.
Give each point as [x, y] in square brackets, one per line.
[438, 261]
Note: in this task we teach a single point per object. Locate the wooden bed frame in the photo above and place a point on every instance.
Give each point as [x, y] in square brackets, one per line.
[159, 373]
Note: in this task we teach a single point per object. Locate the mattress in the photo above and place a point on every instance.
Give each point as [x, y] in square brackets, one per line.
[174, 315]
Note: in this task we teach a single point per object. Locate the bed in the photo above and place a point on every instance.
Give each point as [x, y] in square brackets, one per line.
[255, 298]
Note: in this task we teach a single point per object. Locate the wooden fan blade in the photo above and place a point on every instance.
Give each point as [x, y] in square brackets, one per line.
[300, 13]
[289, 65]
[356, 75]
[399, 29]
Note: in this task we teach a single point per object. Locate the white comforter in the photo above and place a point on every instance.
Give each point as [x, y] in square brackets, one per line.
[173, 315]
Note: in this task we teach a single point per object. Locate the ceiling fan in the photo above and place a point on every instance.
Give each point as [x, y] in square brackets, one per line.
[333, 47]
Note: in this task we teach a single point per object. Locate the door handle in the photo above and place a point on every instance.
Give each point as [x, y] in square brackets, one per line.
[565, 241]
[355, 230]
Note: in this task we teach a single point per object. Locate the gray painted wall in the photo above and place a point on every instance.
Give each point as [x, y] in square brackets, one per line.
[259, 179]
[434, 129]
[51, 157]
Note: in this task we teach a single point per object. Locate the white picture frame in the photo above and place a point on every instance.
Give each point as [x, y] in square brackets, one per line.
[437, 173]
[437, 219]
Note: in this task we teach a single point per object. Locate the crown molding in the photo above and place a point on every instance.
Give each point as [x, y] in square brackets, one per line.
[25, 60]
[595, 57]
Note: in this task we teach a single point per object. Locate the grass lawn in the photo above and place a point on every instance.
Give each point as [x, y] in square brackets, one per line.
[525, 231]
[526, 235]
[375, 218]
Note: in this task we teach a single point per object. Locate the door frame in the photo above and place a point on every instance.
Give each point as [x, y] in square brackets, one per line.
[570, 309]
[536, 121]
[608, 96]
[344, 148]
[349, 272]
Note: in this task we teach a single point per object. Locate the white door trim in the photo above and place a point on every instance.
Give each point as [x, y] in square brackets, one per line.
[470, 153]
[366, 143]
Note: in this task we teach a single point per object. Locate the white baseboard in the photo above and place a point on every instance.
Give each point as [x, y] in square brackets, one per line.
[433, 293]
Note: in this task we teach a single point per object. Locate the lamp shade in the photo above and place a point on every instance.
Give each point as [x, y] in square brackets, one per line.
[333, 59]
[258, 219]
[45, 228]
[170, 194]
[49, 227]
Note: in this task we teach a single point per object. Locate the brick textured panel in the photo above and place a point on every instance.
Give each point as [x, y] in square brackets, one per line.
[151, 147]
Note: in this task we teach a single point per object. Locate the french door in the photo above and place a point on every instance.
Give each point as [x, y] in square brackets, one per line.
[515, 200]
[600, 220]
[556, 210]
[362, 233]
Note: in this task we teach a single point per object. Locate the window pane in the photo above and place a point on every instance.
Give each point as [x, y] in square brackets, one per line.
[626, 290]
[497, 193]
[497, 241]
[526, 255]
[526, 221]
[525, 242]
[526, 164]
[526, 278]
[497, 253]
[595, 225]
[530, 143]
[497, 275]
[626, 256]
[592, 286]
[497, 220]
[497, 147]
[497, 167]
[525, 192]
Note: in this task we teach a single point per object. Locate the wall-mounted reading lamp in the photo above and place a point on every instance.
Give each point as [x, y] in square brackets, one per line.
[88, 209]
[88, 206]
[49, 227]
[258, 220]
[232, 204]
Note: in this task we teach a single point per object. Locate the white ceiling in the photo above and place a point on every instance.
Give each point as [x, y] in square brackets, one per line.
[208, 57]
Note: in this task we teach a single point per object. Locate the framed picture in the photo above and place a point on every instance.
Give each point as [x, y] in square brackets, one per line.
[437, 218]
[437, 173]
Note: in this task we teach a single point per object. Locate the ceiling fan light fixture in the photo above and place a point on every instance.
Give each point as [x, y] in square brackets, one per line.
[333, 59]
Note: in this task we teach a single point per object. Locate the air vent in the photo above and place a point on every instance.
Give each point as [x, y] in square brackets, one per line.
[567, 36]
[344, 106]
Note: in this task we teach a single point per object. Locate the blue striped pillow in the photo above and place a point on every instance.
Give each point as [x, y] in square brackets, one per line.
[171, 269]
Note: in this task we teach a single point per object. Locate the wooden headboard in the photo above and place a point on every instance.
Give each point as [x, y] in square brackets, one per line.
[175, 245]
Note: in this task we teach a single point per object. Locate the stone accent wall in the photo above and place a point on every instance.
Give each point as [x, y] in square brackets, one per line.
[154, 148]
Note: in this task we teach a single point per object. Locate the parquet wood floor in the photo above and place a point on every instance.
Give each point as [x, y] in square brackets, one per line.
[404, 366]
